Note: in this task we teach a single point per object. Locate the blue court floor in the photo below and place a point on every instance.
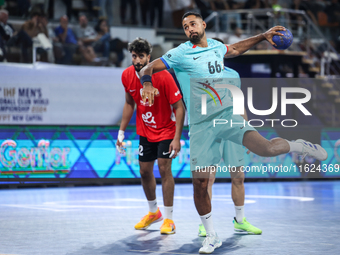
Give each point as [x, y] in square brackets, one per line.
[295, 217]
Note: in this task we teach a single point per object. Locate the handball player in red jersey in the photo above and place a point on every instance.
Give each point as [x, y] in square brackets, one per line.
[159, 128]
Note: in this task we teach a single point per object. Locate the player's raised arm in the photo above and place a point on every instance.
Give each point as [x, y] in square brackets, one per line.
[148, 90]
[240, 47]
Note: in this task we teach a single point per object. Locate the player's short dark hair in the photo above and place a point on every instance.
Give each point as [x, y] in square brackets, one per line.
[140, 45]
[218, 39]
[192, 13]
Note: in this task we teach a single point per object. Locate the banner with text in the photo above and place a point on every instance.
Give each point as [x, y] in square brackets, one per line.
[48, 94]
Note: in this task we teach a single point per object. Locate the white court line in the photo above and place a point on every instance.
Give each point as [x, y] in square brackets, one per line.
[246, 201]
[98, 201]
[64, 208]
[35, 207]
[98, 206]
[302, 199]
[59, 206]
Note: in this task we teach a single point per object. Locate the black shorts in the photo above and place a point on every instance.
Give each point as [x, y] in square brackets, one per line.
[151, 151]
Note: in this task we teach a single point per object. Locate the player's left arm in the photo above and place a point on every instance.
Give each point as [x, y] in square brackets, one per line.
[240, 47]
[180, 112]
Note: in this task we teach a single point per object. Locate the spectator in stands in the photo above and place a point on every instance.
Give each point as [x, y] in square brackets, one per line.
[133, 8]
[29, 30]
[148, 9]
[106, 10]
[64, 33]
[50, 32]
[6, 29]
[84, 32]
[67, 40]
[69, 45]
[50, 35]
[105, 44]
[6, 33]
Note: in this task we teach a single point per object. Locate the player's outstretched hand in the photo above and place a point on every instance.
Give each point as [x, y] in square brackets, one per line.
[174, 148]
[273, 31]
[149, 92]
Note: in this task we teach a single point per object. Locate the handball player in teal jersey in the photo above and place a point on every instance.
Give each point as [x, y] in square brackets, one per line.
[201, 59]
[233, 156]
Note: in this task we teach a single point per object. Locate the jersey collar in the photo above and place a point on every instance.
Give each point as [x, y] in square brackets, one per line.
[137, 75]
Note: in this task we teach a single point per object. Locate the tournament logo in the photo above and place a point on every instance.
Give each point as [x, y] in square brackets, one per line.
[206, 85]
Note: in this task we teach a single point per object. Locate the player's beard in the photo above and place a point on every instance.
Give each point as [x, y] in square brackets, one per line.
[196, 38]
[139, 67]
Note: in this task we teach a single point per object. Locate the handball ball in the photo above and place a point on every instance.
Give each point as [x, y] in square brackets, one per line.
[283, 42]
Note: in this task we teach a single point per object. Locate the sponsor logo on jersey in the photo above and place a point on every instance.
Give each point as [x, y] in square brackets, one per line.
[148, 118]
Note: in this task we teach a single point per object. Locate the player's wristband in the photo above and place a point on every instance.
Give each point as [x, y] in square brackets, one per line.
[121, 135]
[145, 78]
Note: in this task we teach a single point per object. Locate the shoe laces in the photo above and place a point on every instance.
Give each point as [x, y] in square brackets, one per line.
[208, 240]
[304, 152]
[303, 155]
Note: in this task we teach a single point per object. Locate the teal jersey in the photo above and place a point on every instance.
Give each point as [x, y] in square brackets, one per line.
[231, 77]
[193, 64]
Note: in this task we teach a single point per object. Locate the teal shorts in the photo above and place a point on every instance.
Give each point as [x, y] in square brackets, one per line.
[206, 138]
[232, 154]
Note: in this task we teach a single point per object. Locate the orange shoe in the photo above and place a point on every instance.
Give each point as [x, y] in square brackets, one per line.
[168, 227]
[149, 219]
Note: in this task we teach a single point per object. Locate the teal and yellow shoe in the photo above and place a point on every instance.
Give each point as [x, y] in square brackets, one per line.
[201, 231]
[246, 228]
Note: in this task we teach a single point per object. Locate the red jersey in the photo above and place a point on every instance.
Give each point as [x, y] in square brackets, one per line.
[157, 122]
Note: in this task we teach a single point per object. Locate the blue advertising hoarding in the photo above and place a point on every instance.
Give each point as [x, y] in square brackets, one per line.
[89, 152]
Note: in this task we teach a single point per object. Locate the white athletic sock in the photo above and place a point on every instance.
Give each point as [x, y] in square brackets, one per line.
[168, 212]
[153, 206]
[208, 223]
[295, 147]
[239, 211]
